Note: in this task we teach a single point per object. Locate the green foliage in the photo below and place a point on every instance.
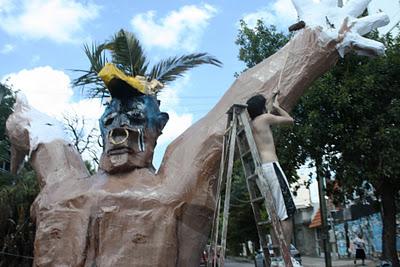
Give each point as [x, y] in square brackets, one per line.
[351, 117]
[16, 196]
[256, 44]
[128, 55]
[90, 167]
[171, 68]
[90, 81]
[17, 231]
[241, 227]
[5, 110]
[348, 122]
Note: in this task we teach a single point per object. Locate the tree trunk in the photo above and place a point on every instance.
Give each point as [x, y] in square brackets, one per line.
[388, 194]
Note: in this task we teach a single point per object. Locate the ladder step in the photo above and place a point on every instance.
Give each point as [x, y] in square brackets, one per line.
[241, 130]
[267, 222]
[244, 154]
[257, 199]
[253, 176]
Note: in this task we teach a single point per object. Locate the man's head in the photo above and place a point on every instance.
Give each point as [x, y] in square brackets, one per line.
[130, 128]
[256, 106]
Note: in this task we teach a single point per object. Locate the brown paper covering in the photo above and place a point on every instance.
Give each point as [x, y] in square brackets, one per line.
[139, 218]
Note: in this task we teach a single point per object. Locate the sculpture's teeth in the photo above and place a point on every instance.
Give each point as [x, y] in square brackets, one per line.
[141, 144]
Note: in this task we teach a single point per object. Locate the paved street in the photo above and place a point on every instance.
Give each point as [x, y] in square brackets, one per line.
[234, 263]
[307, 262]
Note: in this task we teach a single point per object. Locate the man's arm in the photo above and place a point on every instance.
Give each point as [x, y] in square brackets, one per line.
[282, 117]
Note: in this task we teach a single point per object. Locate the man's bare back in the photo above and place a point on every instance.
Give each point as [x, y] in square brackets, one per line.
[261, 127]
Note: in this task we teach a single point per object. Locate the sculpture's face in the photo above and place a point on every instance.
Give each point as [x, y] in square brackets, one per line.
[130, 129]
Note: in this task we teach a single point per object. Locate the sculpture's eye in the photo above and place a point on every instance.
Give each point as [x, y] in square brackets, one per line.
[135, 114]
[109, 119]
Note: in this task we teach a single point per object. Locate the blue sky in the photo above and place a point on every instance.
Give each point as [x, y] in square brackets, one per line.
[41, 40]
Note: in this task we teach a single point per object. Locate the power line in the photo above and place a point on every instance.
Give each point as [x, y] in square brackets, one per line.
[16, 255]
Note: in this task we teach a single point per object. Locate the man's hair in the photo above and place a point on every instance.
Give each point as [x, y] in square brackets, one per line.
[256, 106]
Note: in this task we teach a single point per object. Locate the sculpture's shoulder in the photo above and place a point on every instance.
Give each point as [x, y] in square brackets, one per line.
[140, 185]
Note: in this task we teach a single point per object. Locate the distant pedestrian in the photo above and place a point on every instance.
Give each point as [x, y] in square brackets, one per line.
[359, 247]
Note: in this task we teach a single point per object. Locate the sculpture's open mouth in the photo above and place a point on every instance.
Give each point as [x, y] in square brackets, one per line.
[126, 140]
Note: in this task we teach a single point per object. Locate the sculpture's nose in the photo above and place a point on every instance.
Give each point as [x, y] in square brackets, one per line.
[118, 135]
[123, 121]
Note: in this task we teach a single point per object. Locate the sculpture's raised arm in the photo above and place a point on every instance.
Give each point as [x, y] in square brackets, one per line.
[42, 138]
[190, 165]
[330, 31]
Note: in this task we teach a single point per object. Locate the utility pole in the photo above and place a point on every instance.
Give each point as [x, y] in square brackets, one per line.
[324, 212]
[2, 92]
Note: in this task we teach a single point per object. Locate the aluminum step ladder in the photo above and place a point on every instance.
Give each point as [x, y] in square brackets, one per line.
[238, 137]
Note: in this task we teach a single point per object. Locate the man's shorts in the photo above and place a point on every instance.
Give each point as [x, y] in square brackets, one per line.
[279, 187]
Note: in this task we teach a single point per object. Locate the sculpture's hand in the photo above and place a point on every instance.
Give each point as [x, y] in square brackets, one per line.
[27, 128]
[341, 25]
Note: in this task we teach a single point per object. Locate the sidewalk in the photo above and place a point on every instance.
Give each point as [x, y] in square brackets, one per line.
[320, 262]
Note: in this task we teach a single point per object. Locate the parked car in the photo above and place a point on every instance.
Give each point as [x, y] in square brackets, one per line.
[276, 261]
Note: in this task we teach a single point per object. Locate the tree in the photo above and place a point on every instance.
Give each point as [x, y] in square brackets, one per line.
[17, 231]
[7, 102]
[253, 47]
[348, 123]
[241, 226]
[84, 140]
[369, 143]
[128, 55]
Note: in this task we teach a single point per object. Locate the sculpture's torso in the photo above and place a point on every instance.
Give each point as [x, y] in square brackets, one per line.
[105, 220]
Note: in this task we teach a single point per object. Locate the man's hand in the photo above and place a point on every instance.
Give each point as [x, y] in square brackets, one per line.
[342, 26]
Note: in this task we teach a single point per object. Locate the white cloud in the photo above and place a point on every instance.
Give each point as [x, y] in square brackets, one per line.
[169, 96]
[7, 48]
[170, 101]
[49, 91]
[58, 20]
[176, 125]
[178, 122]
[181, 29]
[46, 89]
[281, 14]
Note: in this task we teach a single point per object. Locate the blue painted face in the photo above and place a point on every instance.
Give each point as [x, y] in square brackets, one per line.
[138, 112]
[130, 127]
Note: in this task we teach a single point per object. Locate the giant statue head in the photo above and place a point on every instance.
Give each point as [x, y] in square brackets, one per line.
[129, 126]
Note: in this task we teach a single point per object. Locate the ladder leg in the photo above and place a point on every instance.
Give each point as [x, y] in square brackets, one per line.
[212, 251]
[265, 190]
[229, 169]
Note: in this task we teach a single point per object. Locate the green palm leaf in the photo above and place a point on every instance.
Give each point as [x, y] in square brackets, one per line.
[127, 53]
[169, 69]
[95, 54]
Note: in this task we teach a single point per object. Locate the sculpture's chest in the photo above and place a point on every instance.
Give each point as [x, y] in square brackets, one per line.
[127, 228]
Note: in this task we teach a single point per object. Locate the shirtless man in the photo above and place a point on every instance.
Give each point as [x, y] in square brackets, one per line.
[261, 122]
